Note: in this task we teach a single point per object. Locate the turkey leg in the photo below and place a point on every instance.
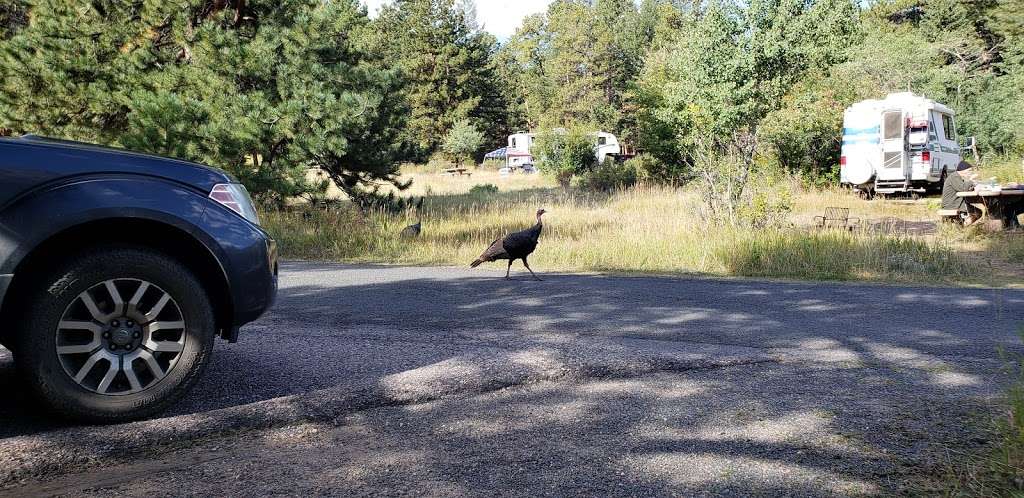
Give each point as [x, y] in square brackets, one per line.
[527, 265]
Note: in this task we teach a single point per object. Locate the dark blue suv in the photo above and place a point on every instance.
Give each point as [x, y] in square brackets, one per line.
[117, 271]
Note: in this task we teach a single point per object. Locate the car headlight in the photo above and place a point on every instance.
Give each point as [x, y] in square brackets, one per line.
[235, 197]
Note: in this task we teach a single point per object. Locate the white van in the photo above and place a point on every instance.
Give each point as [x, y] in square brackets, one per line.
[902, 143]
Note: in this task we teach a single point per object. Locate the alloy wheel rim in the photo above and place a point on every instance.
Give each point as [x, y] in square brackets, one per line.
[112, 346]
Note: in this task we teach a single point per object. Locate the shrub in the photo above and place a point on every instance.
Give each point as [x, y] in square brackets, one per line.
[1016, 253]
[723, 171]
[483, 189]
[438, 161]
[608, 177]
[805, 134]
[768, 209]
[462, 141]
[564, 153]
[1004, 169]
[768, 199]
[650, 169]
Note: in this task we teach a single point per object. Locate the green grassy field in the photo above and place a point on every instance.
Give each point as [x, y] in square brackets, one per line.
[654, 230]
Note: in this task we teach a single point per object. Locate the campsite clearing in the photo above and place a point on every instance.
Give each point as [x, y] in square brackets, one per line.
[657, 230]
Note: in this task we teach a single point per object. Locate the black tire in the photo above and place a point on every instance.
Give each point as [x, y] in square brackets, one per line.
[41, 366]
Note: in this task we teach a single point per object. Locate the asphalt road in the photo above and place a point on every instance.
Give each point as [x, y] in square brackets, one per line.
[375, 379]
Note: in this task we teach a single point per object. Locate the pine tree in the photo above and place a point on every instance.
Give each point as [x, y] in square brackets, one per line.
[445, 62]
[522, 69]
[264, 89]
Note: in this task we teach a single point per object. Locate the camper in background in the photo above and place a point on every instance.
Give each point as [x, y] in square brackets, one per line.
[519, 144]
[904, 143]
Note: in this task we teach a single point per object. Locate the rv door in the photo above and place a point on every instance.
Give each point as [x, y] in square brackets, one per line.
[895, 165]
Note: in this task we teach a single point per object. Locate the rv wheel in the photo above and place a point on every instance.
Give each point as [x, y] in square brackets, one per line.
[865, 194]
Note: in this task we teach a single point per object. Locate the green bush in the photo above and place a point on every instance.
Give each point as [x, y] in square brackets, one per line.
[607, 177]
[805, 134]
[1003, 169]
[462, 141]
[438, 161]
[768, 200]
[768, 209]
[650, 169]
[483, 189]
[565, 153]
[298, 86]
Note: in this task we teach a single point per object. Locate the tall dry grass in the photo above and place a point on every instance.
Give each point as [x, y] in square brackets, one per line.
[645, 229]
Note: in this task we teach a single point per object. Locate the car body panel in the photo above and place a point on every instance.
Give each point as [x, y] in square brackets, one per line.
[5, 281]
[31, 163]
[47, 188]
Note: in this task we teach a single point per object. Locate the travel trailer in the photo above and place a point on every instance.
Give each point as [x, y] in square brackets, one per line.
[605, 145]
[902, 143]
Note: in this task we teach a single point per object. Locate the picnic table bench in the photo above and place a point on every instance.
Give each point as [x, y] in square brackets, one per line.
[458, 172]
[998, 204]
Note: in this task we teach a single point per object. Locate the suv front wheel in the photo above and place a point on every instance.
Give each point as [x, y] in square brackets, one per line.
[115, 334]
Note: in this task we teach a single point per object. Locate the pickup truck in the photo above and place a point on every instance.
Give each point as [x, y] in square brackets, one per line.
[117, 272]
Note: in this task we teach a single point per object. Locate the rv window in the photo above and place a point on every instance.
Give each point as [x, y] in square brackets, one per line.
[602, 141]
[893, 122]
[513, 142]
[947, 127]
[939, 122]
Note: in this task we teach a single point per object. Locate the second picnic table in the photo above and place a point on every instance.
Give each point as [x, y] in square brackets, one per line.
[997, 203]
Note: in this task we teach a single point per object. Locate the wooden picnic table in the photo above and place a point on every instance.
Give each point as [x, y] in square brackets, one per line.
[1000, 204]
[457, 171]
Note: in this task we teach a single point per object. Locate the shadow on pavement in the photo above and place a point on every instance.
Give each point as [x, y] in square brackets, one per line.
[889, 372]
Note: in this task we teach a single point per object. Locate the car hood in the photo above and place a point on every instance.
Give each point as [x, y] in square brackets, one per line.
[51, 159]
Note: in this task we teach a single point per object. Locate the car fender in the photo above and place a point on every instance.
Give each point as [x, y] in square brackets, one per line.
[46, 212]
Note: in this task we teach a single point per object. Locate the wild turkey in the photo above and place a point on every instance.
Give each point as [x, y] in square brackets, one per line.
[413, 231]
[518, 245]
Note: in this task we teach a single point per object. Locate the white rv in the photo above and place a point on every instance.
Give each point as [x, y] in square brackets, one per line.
[902, 143]
[519, 144]
[605, 144]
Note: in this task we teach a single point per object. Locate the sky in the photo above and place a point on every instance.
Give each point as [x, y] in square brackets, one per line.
[500, 17]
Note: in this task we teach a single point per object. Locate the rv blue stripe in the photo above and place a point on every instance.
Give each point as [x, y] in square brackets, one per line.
[860, 131]
[856, 141]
